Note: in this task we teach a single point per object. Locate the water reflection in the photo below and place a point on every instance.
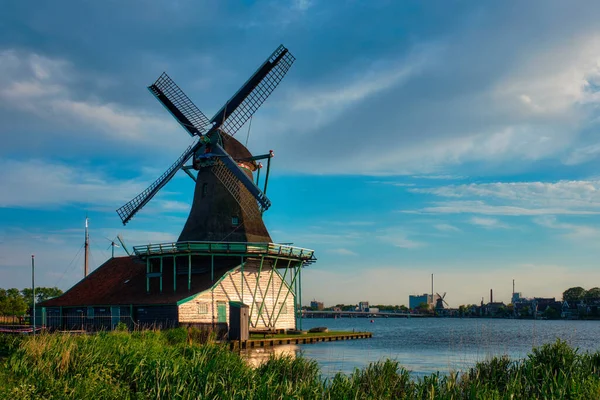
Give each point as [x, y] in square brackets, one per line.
[257, 356]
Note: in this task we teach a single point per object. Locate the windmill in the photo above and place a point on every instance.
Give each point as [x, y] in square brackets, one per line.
[112, 246]
[439, 302]
[228, 203]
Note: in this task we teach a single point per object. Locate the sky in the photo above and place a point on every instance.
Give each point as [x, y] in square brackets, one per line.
[453, 138]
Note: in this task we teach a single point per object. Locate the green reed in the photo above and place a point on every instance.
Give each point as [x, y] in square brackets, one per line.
[188, 364]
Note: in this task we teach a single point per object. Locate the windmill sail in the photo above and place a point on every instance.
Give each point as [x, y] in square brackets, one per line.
[179, 105]
[241, 176]
[234, 114]
[127, 211]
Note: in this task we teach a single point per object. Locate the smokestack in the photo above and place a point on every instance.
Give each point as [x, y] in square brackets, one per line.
[432, 288]
[513, 287]
[491, 296]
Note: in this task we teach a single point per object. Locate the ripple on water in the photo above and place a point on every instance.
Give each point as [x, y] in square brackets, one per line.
[427, 345]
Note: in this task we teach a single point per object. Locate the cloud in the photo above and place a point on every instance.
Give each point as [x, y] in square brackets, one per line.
[446, 228]
[518, 198]
[440, 177]
[48, 89]
[399, 239]
[43, 184]
[320, 103]
[572, 231]
[398, 184]
[488, 223]
[464, 106]
[480, 207]
[342, 252]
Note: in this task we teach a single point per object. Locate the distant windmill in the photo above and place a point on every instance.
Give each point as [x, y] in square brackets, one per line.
[228, 204]
[439, 302]
[112, 245]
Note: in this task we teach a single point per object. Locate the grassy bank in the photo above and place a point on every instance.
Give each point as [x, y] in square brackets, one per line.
[150, 365]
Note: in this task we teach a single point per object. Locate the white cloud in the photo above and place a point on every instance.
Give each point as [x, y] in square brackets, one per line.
[314, 105]
[45, 88]
[572, 231]
[519, 198]
[446, 228]
[342, 252]
[480, 207]
[489, 223]
[399, 239]
[47, 184]
[440, 177]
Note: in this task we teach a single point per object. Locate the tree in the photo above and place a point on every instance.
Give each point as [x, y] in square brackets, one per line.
[41, 294]
[574, 294]
[592, 294]
[11, 302]
[524, 311]
[423, 308]
[551, 313]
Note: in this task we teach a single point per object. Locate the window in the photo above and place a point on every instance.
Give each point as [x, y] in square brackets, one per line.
[90, 312]
[283, 308]
[204, 189]
[202, 308]
[235, 221]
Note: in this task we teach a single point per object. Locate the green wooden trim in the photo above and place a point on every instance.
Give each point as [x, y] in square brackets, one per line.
[262, 259]
[147, 277]
[189, 272]
[287, 268]
[286, 296]
[174, 274]
[266, 292]
[217, 283]
[161, 275]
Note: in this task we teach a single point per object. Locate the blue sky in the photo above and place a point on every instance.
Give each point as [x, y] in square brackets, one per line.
[410, 138]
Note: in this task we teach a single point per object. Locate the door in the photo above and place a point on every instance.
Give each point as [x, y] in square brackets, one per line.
[115, 316]
[221, 312]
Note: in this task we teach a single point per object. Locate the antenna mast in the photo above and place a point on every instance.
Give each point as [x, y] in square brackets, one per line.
[87, 246]
[431, 288]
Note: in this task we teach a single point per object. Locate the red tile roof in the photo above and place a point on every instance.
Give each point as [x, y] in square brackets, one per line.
[122, 281]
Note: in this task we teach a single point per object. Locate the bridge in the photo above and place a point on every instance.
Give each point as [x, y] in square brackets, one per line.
[358, 314]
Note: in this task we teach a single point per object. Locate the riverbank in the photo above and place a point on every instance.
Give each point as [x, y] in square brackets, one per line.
[256, 341]
[149, 365]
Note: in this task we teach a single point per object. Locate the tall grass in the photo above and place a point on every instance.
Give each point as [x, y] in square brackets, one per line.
[173, 365]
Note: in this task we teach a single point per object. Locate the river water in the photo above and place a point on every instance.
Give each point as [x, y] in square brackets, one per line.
[427, 345]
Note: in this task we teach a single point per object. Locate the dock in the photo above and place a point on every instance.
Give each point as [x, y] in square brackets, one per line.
[270, 342]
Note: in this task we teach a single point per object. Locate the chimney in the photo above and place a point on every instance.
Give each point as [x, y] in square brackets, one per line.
[491, 296]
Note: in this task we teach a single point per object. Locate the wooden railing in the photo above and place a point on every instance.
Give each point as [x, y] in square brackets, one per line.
[273, 249]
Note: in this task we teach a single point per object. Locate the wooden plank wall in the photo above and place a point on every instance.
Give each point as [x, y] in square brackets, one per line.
[203, 308]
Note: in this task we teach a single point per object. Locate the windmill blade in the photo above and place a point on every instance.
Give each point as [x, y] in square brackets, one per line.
[123, 244]
[237, 175]
[179, 105]
[236, 189]
[234, 114]
[127, 211]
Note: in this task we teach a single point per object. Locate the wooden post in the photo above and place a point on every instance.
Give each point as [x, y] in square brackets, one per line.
[174, 273]
[189, 272]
